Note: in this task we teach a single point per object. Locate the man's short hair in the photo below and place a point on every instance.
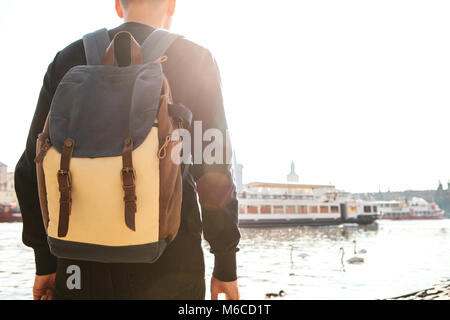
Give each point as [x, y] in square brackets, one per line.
[125, 3]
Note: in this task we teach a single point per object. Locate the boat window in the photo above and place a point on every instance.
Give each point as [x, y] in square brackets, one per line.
[278, 209]
[313, 209]
[323, 209]
[266, 209]
[252, 209]
[290, 209]
[334, 209]
[375, 209]
[352, 209]
[302, 209]
[367, 209]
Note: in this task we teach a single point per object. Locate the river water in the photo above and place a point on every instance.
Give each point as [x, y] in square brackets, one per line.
[304, 262]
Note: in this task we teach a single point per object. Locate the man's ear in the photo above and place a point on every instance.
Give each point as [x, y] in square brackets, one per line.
[172, 5]
[119, 9]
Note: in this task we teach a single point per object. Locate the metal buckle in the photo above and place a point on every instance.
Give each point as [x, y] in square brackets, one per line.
[67, 174]
[128, 170]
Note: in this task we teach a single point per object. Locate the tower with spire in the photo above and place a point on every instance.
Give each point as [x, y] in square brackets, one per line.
[292, 176]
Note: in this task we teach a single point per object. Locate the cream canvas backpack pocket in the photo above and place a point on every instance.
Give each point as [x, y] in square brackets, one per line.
[108, 188]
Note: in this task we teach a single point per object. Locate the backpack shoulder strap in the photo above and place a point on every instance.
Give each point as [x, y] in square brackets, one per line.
[157, 44]
[95, 45]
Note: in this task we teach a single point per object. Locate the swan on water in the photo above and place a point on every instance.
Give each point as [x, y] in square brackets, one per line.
[342, 258]
[352, 260]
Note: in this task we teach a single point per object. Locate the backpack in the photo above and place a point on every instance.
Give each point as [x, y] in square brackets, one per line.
[108, 188]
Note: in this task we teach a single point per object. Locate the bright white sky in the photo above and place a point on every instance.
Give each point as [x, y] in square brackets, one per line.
[356, 92]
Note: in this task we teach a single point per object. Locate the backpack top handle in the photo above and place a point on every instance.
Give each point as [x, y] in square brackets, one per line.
[136, 52]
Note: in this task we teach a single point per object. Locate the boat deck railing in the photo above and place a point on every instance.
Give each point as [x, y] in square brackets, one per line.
[244, 195]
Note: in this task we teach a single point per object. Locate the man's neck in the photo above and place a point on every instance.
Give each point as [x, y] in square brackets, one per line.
[155, 19]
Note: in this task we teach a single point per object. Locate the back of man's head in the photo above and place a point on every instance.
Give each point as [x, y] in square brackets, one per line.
[126, 3]
[157, 13]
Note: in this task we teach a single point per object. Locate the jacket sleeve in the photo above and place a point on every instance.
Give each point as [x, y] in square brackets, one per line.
[212, 171]
[33, 234]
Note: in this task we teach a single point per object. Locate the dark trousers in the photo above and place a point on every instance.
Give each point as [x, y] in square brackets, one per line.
[178, 275]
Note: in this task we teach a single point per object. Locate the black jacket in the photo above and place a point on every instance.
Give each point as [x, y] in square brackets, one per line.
[195, 82]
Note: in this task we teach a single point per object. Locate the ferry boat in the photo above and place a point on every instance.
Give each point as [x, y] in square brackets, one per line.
[10, 213]
[274, 204]
[415, 209]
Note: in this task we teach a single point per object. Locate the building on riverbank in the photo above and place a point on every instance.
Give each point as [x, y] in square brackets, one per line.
[7, 191]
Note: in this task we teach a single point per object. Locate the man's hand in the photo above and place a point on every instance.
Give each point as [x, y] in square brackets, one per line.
[43, 285]
[230, 289]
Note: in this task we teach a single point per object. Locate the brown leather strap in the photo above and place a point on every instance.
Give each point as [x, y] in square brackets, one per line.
[65, 188]
[167, 93]
[47, 125]
[136, 52]
[44, 141]
[45, 145]
[128, 184]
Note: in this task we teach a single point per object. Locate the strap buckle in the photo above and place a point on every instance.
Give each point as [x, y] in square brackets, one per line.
[64, 180]
[127, 171]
